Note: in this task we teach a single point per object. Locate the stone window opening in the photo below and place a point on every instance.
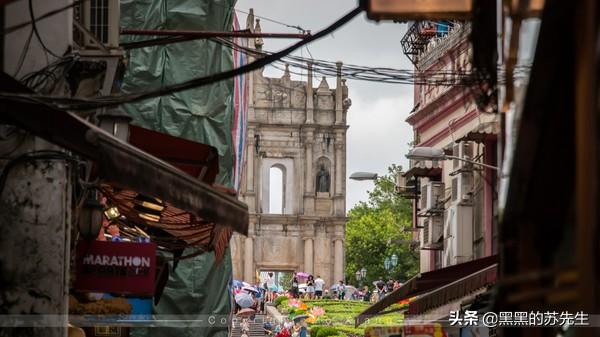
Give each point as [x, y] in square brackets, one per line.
[277, 178]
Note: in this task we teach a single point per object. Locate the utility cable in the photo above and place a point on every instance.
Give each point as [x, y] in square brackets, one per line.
[263, 17]
[374, 74]
[36, 32]
[113, 100]
[16, 27]
[24, 53]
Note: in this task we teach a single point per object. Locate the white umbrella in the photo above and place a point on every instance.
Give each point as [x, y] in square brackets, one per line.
[252, 289]
[350, 289]
[244, 300]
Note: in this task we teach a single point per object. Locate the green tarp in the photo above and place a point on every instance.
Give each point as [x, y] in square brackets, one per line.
[198, 286]
[203, 115]
[196, 290]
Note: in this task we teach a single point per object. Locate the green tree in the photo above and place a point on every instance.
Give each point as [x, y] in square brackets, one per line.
[378, 228]
[285, 280]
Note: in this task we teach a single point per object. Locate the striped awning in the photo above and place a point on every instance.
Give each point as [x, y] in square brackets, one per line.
[482, 132]
[426, 283]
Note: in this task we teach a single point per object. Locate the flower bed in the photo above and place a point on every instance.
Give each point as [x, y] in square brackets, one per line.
[334, 318]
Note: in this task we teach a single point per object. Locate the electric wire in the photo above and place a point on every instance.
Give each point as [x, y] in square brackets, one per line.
[376, 74]
[326, 68]
[16, 27]
[24, 53]
[297, 27]
[113, 100]
[38, 80]
[36, 32]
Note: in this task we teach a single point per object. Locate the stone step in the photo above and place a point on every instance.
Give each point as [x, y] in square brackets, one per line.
[256, 327]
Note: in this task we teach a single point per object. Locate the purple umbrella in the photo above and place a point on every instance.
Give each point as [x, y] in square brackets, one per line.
[302, 275]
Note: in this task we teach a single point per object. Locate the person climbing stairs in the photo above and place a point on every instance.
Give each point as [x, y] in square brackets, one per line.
[255, 327]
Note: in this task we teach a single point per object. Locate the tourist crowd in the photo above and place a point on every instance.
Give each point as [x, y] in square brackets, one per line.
[255, 296]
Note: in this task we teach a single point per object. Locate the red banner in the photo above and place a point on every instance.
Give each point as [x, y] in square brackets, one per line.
[116, 267]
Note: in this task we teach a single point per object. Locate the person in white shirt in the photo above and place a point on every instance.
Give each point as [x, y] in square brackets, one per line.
[270, 281]
[319, 286]
[288, 324]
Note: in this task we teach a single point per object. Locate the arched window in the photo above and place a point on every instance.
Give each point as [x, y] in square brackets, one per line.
[276, 189]
[276, 186]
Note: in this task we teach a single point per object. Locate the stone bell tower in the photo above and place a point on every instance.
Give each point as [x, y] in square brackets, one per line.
[301, 131]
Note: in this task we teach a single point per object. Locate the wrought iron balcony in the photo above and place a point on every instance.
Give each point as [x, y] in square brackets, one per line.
[422, 33]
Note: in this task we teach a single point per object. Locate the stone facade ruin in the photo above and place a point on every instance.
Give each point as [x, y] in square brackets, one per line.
[302, 131]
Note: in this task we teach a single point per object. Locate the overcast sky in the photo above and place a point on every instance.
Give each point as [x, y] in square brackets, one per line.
[378, 135]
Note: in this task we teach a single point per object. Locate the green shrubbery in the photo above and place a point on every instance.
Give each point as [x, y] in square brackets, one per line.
[350, 330]
[315, 331]
[327, 331]
[279, 299]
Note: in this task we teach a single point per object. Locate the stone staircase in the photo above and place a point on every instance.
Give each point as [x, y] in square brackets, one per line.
[256, 327]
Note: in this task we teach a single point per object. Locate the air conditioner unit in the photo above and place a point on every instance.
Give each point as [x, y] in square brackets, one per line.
[462, 186]
[421, 232]
[462, 150]
[458, 235]
[432, 231]
[432, 196]
[101, 19]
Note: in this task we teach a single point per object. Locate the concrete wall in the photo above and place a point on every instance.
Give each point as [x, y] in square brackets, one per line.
[35, 202]
[56, 32]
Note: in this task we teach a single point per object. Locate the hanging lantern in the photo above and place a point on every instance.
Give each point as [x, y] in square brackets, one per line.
[90, 218]
[112, 213]
[116, 122]
[148, 208]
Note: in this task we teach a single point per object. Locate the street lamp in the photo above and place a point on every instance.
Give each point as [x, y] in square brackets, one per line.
[116, 122]
[390, 262]
[360, 275]
[363, 176]
[431, 153]
[90, 217]
[394, 260]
